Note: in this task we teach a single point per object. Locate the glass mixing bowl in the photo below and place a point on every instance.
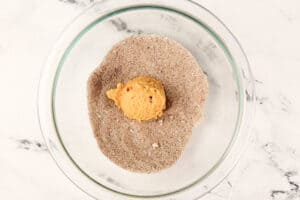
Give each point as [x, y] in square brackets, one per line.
[215, 145]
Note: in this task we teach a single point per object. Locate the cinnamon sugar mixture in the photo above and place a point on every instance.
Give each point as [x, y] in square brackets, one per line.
[153, 145]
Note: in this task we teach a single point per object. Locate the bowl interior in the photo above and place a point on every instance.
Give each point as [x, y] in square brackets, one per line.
[210, 140]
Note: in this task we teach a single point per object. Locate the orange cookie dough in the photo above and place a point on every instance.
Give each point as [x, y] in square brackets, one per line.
[141, 98]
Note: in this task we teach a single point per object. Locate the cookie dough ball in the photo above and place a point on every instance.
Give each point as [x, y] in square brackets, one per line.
[142, 98]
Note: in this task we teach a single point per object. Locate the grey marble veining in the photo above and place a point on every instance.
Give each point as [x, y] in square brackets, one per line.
[31, 145]
[121, 25]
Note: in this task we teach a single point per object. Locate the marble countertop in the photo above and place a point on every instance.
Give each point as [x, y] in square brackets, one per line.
[269, 32]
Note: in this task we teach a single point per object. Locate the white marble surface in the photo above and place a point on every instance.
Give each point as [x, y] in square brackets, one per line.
[269, 31]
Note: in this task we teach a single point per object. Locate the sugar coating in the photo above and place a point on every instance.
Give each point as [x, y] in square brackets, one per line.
[152, 145]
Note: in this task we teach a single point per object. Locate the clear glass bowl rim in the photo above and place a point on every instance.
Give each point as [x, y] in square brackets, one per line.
[243, 74]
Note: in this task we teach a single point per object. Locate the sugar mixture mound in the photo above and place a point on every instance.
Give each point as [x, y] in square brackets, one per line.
[153, 145]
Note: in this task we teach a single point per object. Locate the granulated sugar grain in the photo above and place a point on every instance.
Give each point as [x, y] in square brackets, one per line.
[147, 146]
